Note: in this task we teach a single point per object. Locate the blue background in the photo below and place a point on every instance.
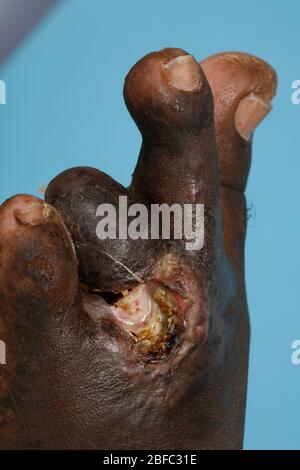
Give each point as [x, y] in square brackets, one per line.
[65, 108]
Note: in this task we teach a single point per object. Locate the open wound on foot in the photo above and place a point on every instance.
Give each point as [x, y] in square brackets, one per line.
[153, 313]
[150, 314]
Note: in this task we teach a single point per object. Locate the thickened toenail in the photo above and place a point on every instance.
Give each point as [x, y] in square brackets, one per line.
[183, 73]
[32, 214]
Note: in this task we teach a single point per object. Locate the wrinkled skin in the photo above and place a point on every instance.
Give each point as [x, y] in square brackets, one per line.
[75, 378]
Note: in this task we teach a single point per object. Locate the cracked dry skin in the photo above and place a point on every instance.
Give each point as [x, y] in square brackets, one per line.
[128, 344]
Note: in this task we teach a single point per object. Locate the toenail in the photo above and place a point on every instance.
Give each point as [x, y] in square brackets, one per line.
[250, 112]
[184, 73]
[32, 214]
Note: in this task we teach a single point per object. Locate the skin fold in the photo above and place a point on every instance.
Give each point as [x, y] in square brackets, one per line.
[77, 376]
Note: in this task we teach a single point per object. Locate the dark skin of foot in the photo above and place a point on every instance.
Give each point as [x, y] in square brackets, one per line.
[77, 376]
